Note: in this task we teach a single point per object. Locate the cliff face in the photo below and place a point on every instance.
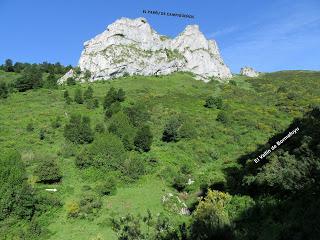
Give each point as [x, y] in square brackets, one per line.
[131, 46]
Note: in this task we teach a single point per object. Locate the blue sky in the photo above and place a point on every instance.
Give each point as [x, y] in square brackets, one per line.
[268, 35]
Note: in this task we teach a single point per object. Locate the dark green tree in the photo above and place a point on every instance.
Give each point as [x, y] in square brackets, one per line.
[213, 102]
[137, 114]
[51, 81]
[8, 66]
[78, 98]
[4, 92]
[78, 130]
[31, 79]
[143, 139]
[48, 171]
[171, 129]
[88, 93]
[16, 196]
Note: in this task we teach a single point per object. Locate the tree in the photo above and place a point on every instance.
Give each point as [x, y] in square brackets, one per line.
[71, 81]
[171, 129]
[106, 151]
[4, 92]
[113, 109]
[48, 171]
[113, 96]
[211, 220]
[137, 114]
[31, 79]
[78, 130]
[67, 97]
[223, 117]
[108, 187]
[121, 126]
[143, 139]
[51, 81]
[213, 102]
[16, 196]
[8, 66]
[88, 94]
[78, 96]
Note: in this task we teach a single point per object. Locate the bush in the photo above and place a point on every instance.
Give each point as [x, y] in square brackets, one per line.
[88, 94]
[67, 97]
[108, 187]
[106, 151]
[180, 182]
[223, 117]
[30, 127]
[41, 134]
[171, 130]
[4, 92]
[137, 114]
[48, 171]
[113, 109]
[113, 96]
[31, 79]
[100, 128]
[143, 139]
[56, 123]
[78, 130]
[71, 81]
[121, 126]
[133, 168]
[78, 96]
[213, 102]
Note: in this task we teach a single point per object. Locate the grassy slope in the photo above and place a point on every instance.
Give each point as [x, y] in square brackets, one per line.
[256, 109]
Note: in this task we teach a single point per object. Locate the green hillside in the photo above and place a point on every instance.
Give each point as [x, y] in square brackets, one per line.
[212, 140]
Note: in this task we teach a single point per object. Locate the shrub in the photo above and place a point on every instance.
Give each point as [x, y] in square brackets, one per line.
[31, 78]
[213, 102]
[78, 96]
[108, 187]
[67, 97]
[113, 109]
[4, 92]
[187, 130]
[180, 182]
[223, 117]
[100, 128]
[30, 127]
[121, 126]
[56, 123]
[211, 220]
[71, 81]
[137, 114]
[113, 96]
[78, 130]
[73, 209]
[143, 139]
[133, 168]
[41, 134]
[106, 151]
[171, 130]
[88, 94]
[48, 171]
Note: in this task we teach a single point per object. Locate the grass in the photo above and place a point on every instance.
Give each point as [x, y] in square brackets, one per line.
[256, 108]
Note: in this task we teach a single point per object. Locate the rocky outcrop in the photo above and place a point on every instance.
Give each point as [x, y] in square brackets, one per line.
[249, 72]
[132, 47]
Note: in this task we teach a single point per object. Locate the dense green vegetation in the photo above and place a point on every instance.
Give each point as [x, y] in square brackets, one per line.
[130, 160]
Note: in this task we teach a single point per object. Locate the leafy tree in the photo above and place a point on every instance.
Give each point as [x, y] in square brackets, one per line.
[121, 126]
[143, 139]
[31, 79]
[113, 109]
[133, 168]
[78, 98]
[211, 220]
[16, 196]
[51, 81]
[113, 96]
[88, 93]
[100, 128]
[78, 130]
[48, 171]
[108, 187]
[4, 92]
[171, 129]
[67, 97]
[137, 114]
[8, 66]
[71, 81]
[106, 151]
[223, 117]
[213, 102]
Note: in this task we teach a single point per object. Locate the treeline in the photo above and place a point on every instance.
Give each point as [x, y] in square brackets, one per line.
[32, 76]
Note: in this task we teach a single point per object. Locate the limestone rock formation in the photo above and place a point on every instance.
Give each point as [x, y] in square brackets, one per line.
[249, 72]
[132, 47]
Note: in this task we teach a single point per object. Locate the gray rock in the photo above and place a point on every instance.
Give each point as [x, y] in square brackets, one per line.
[249, 72]
[132, 47]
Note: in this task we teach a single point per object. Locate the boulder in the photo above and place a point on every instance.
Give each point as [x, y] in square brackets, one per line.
[249, 72]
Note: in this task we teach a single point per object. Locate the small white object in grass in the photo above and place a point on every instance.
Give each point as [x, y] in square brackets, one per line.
[51, 189]
[190, 181]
